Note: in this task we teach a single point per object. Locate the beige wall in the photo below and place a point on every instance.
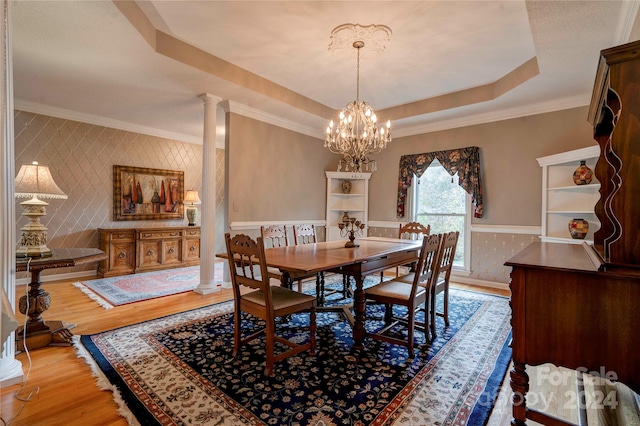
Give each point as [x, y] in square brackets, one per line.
[511, 175]
[274, 174]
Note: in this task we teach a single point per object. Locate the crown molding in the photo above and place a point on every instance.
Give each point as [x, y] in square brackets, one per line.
[504, 114]
[101, 121]
[247, 111]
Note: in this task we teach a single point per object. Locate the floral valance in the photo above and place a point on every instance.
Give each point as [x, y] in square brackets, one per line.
[464, 161]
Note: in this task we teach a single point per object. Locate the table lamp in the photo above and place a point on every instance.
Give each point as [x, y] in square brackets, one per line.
[192, 211]
[35, 182]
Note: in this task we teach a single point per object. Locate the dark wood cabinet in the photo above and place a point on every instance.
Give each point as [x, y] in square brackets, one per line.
[569, 313]
[576, 306]
[134, 250]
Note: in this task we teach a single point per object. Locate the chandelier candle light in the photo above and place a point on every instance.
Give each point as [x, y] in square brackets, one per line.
[357, 133]
[34, 181]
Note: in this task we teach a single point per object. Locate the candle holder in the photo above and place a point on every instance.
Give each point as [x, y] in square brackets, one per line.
[350, 227]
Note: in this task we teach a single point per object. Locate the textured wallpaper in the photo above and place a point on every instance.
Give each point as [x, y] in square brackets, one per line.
[81, 157]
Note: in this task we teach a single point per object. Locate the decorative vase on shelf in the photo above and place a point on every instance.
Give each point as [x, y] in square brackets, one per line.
[346, 186]
[578, 228]
[583, 174]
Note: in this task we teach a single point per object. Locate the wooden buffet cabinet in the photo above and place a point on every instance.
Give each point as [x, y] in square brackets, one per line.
[134, 250]
[578, 306]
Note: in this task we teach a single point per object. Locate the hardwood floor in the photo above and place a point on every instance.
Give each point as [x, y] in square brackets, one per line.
[64, 391]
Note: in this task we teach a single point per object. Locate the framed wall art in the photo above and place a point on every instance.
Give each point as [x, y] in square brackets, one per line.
[147, 194]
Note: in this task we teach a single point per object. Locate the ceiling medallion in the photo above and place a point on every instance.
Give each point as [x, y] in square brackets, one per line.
[374, 37]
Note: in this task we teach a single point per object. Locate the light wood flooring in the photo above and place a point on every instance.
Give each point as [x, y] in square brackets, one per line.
[63, 391]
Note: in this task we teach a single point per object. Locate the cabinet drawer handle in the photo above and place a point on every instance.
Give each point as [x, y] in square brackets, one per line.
[192, 248]
[147, 235]
[171, 250]
[173, 234]
[122, 255]
[150, 253]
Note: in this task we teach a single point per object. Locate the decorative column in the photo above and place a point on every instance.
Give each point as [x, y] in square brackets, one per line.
[208, 206]
[10, 368]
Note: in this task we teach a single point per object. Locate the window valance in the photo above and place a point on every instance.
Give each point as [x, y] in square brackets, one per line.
[464, 161]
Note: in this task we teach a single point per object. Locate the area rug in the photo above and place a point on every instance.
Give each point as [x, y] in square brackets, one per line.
[116, 291]
[179, 370]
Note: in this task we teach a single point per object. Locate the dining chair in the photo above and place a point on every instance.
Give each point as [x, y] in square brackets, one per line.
[447, 255]
[410, 231]
[274, 236]
[306, 234]
[248, 267]
[411, 293]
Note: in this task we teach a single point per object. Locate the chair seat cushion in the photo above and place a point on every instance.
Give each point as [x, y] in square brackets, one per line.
[282, 298]
[394, 289]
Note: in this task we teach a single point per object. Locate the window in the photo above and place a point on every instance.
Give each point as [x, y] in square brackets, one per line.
[439, 201]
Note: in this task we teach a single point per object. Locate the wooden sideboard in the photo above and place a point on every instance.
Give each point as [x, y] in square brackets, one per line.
[569, 313]
[134, 250]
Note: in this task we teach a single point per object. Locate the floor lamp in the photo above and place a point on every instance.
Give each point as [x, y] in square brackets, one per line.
[35, 182]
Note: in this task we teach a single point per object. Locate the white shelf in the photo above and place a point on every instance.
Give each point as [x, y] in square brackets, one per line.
[563, 200]
[573, 188]
[571, 212]
[355, 202]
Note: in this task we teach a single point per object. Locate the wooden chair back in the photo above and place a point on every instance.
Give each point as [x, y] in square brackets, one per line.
[274, 235]
[428, 266]
[413, 231]
[304, 234]
[410, 231]
[249, 265]
[447, 256]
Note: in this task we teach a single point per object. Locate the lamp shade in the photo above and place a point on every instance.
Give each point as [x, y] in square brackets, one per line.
[191, 197]
[34, 180]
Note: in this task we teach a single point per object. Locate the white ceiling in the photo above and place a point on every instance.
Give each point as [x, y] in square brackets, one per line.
[85, 60]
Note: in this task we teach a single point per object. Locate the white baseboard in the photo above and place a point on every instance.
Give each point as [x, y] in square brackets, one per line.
[480, 283]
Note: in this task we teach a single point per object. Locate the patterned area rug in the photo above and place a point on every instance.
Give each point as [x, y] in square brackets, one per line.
[115, 291]
[179, 370]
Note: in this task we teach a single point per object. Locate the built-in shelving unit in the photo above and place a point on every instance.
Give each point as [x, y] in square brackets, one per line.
[563, 200]
[355, 203]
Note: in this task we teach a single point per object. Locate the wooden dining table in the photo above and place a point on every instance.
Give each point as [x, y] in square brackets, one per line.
[374, 254]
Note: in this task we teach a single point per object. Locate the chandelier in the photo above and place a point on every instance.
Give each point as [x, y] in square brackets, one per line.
[357, 135]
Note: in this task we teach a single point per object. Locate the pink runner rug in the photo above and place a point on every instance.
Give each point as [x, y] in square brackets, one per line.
[116, 291]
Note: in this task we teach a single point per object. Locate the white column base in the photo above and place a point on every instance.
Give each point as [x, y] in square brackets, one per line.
[10, 372]
[207, 288]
